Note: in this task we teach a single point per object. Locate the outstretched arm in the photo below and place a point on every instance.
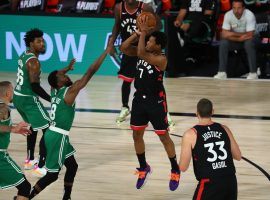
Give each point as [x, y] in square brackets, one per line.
[69, 67]
[79, 84]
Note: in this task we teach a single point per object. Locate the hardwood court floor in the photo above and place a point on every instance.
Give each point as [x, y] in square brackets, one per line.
[105, 152]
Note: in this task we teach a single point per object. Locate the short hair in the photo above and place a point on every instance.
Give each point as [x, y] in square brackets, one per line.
[239, 1]
[3, 87]
[161, 38]
[205, 108]
[52, 79]
[31, 35]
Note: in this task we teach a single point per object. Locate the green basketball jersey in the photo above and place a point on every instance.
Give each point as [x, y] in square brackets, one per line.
[5, 137]
[62, 115]
[23, 85]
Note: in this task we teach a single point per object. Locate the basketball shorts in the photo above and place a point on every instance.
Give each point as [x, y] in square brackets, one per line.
[10, 173]
[32, 111]
[154, 110]
[58, 148]
[221, 188]
[127, 68]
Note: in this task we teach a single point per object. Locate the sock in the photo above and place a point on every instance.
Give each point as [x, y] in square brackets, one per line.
[42, 151]
[31, 143]
[67, 191]
[33, 192]
[142, 161]
[174, 164]
[125, 93]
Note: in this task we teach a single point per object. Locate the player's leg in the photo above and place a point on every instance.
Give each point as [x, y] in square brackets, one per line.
[20, 103]
[23, 190]
[138, 123]
[46, 180]
[30, 162]
[126, 73]
[158, 117]
[39, 119]
[72, 166]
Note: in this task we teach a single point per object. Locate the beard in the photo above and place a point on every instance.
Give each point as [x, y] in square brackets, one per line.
[42, 51]
[69, 83]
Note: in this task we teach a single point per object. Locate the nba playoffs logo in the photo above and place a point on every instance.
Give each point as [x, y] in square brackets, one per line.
[117, 56]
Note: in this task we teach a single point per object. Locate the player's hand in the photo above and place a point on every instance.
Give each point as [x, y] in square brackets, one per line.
[143, 24]
[177, 23]
[111, 48]
[21, 128]
[71, 64]
[138, 32]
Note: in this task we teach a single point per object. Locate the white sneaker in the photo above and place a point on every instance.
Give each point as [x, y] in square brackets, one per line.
[171, 123]
[259, 71]
[39, 172]
[221, 75]
[30, 164]
[252, 76]
[123, 115]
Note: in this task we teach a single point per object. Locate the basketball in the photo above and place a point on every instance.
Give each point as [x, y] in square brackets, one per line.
[151, 19]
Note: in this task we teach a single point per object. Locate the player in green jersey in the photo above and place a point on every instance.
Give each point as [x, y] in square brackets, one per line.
[10, 173]
[59, 150]
[26, 97]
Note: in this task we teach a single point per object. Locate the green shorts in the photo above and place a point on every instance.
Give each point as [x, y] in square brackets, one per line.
[10, 173]
[58, 149]
[32, 111]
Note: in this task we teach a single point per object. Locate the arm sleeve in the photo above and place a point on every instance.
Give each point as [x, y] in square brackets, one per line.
[40, 91]
[251, 22]
[226, 22]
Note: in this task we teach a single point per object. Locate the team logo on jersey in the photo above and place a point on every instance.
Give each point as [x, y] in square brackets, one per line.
[116, 58]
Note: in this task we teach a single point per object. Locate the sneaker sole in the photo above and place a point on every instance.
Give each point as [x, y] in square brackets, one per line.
[146, 179]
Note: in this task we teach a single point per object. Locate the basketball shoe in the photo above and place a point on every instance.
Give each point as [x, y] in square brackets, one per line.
[39, 172]
[143, 175]
[123, 115]
[30, 164]
[174, 181]
[171, 123]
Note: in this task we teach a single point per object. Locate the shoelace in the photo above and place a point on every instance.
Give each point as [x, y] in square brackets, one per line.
[175, 177]
[140, 173]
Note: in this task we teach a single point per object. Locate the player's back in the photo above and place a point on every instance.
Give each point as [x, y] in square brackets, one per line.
[23, 85]
[212, 157]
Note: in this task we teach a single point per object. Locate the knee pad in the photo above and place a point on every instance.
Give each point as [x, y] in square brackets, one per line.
[24, 189]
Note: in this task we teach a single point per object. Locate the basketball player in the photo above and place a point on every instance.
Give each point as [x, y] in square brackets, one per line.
[212, 148]
[26, 98]
[125, 14]
[10, 173]
[149, 102]
[59, 150]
